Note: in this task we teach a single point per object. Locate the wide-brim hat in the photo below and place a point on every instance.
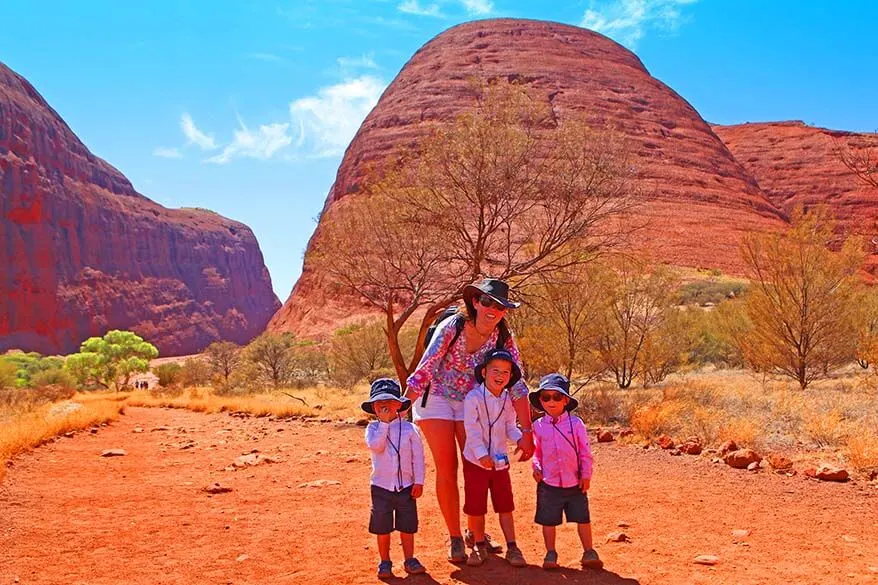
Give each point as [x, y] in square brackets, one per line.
[385, 389]
[498, 354]
[558, 383]
[494, 288]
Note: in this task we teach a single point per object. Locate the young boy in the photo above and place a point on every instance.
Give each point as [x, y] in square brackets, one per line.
[489, 420]
[562, 466]
[397, 474]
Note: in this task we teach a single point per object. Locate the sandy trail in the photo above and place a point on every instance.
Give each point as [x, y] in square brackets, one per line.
[69, 516]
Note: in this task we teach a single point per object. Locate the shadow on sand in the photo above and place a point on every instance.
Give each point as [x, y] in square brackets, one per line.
[496, 571]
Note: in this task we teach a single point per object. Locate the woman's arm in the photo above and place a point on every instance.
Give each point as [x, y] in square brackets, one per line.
[522, 411]
[426, 369]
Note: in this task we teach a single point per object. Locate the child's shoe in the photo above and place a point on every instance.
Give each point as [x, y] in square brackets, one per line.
[413, 566]
[385, 570]
[514, 556]
[457, 550]
[478, 556]
[551, 560]
[591, 560]
[493, 548]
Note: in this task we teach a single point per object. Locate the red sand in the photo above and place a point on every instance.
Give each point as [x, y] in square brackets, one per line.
[72, 517]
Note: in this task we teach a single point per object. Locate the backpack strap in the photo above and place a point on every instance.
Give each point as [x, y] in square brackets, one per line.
[503, 334]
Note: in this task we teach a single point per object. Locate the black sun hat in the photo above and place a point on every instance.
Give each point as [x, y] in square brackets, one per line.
[558, 383]
[494, 288]
[498, 354]
[385, 389]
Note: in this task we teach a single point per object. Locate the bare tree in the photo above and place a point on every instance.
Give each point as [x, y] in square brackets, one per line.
[801, 304]
[506, 190]
[862, 162]
[356, 351]
[223, 357]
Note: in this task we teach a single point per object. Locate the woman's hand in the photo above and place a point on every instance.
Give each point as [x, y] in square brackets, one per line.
[584, 484]
[525, 446]
[417, 490]
[538, 476]
[486, 462]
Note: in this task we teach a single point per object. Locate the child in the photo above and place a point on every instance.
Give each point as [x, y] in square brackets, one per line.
[489, 420]
[562, 466]
[397, 474]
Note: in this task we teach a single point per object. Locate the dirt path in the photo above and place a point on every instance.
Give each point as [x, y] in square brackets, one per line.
[70, 517]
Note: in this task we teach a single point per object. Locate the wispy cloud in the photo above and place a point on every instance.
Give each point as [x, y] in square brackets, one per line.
[262, 144]
[328, 121]
[363, 61]
[164, 152]
[628, 20]
[478, 7]
[414, 7]
[267, 57]
[194, 135]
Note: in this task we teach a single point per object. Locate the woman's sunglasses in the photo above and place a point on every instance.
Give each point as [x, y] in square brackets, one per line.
[489, 302]
[551, 396]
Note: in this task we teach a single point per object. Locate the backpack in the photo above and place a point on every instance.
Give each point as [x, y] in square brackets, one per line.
[451, 312]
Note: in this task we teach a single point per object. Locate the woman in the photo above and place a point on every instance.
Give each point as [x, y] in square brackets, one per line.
[447, 369]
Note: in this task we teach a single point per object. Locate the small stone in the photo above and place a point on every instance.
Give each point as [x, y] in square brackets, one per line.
[242, 558]
[137, 430]
[351, 460]
[665, 442]
[832, 473]
[162, 428]
[618, 536]
[847, 538]
[691, 447]
[605, 436]
[742, 458]
[69, 434]
[753, 466]
[93, 430]
[709, 560]
[728, 447]
[114, 453]
[321, 452]
[873, 475]
[626, 432]
[740, 534]
[780, 462]
[873, 569]
[216, 488]
[623, 524]
[319, 483]
[675, 452]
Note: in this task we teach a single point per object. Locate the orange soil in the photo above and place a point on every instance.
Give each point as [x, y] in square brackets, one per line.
[72, 517]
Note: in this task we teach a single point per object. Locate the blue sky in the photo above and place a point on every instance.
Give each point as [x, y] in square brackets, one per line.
[246, 107]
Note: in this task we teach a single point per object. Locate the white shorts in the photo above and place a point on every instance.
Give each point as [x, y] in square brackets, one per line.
[438, 407]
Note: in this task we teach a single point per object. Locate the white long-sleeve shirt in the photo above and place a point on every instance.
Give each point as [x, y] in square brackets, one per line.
[397, 454]
[480, 408]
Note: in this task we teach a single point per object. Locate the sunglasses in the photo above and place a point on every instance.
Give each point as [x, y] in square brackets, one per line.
[489, 302]
[551, 396]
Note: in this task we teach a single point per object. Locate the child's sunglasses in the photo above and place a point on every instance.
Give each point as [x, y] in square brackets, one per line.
[551, 396]
[488, 302]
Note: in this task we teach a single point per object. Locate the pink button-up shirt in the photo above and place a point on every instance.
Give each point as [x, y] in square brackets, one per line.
[555, 456]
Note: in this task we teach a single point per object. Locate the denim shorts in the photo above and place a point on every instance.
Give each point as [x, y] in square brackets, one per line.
[553, 501]
[393, 511]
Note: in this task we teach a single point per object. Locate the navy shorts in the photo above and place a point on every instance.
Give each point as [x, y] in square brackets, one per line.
[553, 501]
[393, 511]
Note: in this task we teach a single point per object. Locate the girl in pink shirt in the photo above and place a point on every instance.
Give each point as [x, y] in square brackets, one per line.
[562, 464]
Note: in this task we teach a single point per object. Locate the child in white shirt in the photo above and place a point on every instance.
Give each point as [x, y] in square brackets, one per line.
[489, 421]
[397, 474]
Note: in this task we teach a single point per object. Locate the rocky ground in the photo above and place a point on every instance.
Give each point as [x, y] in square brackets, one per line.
[295, 511]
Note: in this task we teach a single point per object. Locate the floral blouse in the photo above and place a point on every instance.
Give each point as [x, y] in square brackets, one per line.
[451, 371]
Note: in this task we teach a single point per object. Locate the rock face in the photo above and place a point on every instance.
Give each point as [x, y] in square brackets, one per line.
[82, 252]
[692, 180]
[796, 164]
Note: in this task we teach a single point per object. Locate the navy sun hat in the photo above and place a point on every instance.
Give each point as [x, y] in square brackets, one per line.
[558, 383]
[498, 354]
[385, 389]
[494, 288]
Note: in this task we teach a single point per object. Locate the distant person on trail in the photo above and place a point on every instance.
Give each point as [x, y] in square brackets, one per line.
[489, 420]
[397, 474]
[443, 378]
[562, 467]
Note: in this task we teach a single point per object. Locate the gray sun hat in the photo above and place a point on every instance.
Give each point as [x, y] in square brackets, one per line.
[558, 383]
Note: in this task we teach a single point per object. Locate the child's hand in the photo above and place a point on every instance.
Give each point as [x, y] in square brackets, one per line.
[486, 462]
[417, 491]
[584, 484]
[538, 476]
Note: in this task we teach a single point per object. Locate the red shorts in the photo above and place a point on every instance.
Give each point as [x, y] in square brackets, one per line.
[477, 481]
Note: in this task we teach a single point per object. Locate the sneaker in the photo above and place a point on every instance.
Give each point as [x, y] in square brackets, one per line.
[457, 550]
[413, 566]
[591, 560]
[514, 557]
[492, 547]
[478, 556]
[551, 560]
[385, 570]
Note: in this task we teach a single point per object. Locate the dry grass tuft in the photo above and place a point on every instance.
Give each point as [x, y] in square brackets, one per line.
[22, 431]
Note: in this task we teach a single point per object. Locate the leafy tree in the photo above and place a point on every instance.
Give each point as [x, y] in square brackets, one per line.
[506, 190]
[272, 357]
[7, 374]
[801, 306]
[194, 372]
[223, 357]
[866, 324]
[168, 374]
[356, 351]
[111, 360]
